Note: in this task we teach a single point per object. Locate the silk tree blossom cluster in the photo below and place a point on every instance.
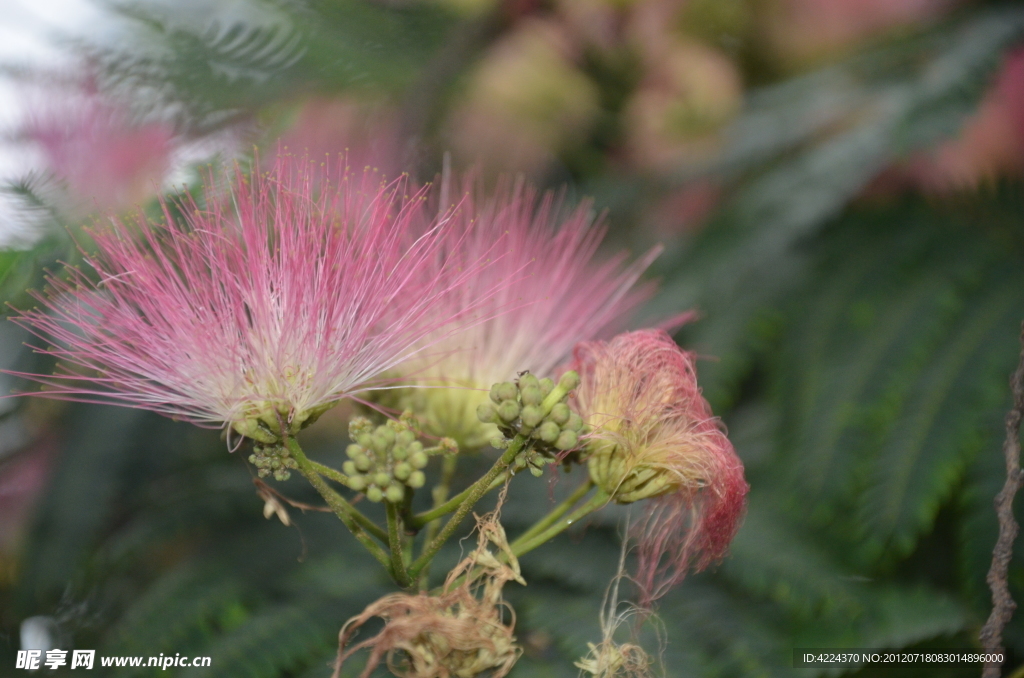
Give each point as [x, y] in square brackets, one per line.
[258, 311]
[654, 438]
[299, 287]
[559, 294]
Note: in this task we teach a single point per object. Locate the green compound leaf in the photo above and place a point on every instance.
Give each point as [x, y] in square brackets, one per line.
[905, 98]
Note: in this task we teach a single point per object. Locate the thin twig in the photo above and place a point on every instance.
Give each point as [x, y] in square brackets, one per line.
[264, 487]
[1002, 604]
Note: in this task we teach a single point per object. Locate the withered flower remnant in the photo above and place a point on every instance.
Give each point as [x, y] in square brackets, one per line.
[462, 632]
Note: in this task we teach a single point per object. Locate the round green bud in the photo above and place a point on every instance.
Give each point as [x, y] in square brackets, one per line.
[353, 451]
[405, 437]
[403, 470]
[394, 493]
[417, 479]
[399, 452]
[507, 391]
[363, 462]
[528, 381]
[349, 467]
[486, 413]
[282, 475]
[531, 395]
[546, 386]
[364, 439]
[498, 441]
[387, 433]
[508, 410]
[380, 443]
[536, 471]
[381, 479]
[495, 396]
[569, 381]
[560, 413]
[252, 459]
[418, 460]
[532, 415]
[415, 446]
[549, 432]
[566, 440]
[575, 422]
[357, 483]
[374, 494]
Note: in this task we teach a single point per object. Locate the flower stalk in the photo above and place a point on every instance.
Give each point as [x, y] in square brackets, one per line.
[396, 545]
[527, 543]
[349, 515]
[556, 513]
[427, 517]
[519, 443]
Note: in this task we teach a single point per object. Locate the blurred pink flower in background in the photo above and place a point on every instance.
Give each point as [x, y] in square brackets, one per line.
[655, 438]
[991, 142]
[267, 306]
[366, 133]
[107, 160]
[689, 91]
[800, 31]
[524, 102]
[23, 476]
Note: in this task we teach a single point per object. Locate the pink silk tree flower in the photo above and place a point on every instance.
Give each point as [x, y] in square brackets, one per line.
[550, 292]
[653, 436]
[106, 160]
[259, 311]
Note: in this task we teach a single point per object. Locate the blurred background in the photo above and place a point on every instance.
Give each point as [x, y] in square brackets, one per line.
[838, 187]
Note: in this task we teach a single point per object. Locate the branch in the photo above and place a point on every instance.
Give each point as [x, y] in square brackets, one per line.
[1002, 604]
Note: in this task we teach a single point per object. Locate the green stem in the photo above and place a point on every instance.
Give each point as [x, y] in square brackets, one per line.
[439, 495]
[522, 546]
[557, 512]
[481, 487]
[344, 510]
[421, 519]
[395, 544]
[328, 472]
[473, 495]
[360, 518]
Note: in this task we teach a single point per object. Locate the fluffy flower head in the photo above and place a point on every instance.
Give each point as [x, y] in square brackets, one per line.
[549, 294]
[258, 311]
[654, 437]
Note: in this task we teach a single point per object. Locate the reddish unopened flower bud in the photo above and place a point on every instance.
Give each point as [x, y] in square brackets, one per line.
[654, 437]
[259, 311]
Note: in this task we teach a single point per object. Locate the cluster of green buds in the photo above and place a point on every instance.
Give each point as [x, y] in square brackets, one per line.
[263, 422]
[523, 407]
[384, 460]
[272, 459]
